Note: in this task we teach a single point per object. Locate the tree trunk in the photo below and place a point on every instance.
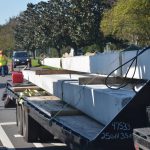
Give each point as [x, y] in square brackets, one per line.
[58, 52]
[33, 53]
[75, 48]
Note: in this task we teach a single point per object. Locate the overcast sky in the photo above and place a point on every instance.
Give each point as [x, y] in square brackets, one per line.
[12, 8]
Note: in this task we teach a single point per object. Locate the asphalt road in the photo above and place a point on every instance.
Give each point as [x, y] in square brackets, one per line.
[9, 136]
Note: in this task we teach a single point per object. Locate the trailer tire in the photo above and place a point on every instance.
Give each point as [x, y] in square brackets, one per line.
[4, 95]
[8, 102]
[30, 128]
[19, 118]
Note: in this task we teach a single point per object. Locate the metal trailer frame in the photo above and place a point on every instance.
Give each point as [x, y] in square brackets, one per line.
[141, 138]
[9, 96]
[118, 134]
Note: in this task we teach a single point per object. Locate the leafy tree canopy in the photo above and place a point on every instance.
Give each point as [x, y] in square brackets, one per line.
[7, 41]
[60, 23]
[129, 20]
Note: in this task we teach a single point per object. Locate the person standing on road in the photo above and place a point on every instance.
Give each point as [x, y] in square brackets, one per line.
[3, 63]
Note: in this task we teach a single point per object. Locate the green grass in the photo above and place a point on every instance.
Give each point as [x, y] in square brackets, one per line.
[51, 68]
[35, 63]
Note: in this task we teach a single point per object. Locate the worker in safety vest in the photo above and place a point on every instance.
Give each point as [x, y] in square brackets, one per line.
[3, 63]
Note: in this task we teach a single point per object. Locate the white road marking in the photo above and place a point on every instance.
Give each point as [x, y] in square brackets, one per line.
[38, 145]
[5, 140]
[7, 123]
[17, 135]
[58, 144]
[7, 143]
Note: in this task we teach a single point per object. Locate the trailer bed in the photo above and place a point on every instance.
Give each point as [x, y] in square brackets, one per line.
[46, 117]
[66, 115]
[82, 124]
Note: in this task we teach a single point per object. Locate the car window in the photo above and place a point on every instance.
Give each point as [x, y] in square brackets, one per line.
[21, 54]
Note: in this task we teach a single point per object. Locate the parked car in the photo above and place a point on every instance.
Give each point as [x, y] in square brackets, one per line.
[20, 58]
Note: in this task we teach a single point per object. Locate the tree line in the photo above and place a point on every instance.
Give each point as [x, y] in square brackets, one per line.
[78, 24]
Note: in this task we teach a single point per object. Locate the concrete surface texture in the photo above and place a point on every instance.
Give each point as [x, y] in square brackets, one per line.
[91, 64]
[143, 63]
[97, 101]
[78, 63]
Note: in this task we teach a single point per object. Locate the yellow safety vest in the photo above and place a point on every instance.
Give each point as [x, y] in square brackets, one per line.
[3, 61]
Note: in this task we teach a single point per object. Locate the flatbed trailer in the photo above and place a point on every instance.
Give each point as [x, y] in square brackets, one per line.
[47, 117]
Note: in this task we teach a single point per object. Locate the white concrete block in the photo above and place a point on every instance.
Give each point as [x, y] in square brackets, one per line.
[53, 62]
[143, 63]
[104, 63]
[78, 63]
[48, 82]
[97, 101]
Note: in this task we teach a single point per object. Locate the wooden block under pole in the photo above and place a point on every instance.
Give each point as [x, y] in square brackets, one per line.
[53, 105]
[91, 80]
[21, 89]
[110, 80]
[48, 72]
[25, 83]
[42, 98]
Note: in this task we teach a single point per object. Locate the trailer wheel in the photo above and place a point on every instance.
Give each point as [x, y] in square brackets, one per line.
[19, 118]
[17, 111]
[30, 128]
[4, 95]
[8, 102]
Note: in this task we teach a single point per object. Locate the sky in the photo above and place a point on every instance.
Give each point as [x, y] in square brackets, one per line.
[12, 8]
